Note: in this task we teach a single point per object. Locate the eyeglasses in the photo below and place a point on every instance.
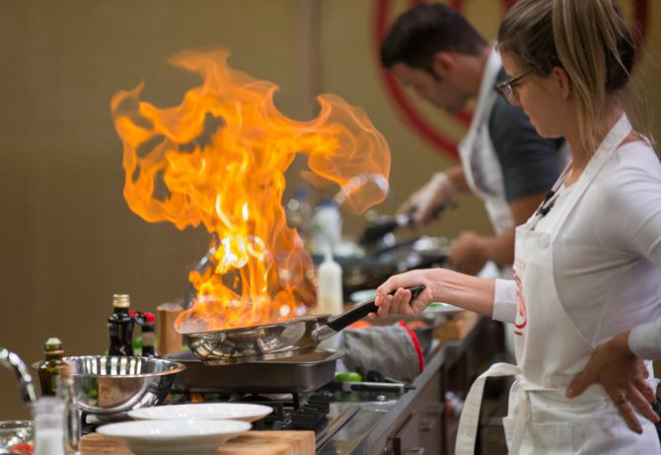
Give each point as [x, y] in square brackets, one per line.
[507, 89]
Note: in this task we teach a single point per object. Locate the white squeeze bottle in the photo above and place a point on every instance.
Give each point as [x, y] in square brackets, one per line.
[48, 426]
[329, 287]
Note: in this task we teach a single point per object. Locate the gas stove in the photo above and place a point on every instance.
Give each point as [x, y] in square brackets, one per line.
[301, 390]
[318, 411]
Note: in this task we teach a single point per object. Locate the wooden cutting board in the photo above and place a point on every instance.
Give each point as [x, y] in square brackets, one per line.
[250, 443]
[458, 326]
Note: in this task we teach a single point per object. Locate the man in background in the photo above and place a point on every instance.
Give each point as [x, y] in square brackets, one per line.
[434, 50]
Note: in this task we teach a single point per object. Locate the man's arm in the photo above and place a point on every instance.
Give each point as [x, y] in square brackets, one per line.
[441, 190]
[471, 251]
[530, 166]
[500, 249]
[457, 177]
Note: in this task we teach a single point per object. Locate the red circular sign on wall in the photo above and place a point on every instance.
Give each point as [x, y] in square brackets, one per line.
[403, 102]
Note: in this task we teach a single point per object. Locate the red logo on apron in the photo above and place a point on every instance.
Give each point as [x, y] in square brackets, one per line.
[521, 316]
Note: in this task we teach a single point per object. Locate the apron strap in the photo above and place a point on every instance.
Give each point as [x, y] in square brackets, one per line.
[470, 414]
[521, 423]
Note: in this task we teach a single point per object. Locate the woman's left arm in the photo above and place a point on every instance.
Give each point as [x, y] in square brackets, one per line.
[441, 285]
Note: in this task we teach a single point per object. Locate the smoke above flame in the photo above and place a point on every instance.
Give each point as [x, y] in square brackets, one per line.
[219, 159]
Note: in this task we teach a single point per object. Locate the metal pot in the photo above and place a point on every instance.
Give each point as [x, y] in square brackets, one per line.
[110, 386]
[273, 341]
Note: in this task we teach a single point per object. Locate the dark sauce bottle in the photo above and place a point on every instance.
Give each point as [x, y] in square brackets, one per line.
[148, 335]
[120, 326]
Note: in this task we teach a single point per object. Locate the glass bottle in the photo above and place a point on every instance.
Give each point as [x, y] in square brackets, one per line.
[148, 335]
[49, 368]
[48, 413]
[72, 417]
[120, 326]
[299, 213]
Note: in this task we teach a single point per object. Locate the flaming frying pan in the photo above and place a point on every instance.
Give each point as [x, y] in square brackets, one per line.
[273, 341]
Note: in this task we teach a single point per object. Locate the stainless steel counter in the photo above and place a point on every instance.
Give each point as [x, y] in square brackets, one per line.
[380, 411]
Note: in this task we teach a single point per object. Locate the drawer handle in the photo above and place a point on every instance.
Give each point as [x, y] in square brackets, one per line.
[415, 451]
[435, 409]
[427, 425]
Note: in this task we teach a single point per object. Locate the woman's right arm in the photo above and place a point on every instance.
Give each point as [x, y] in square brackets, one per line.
[634, 194]
[645, 340]
[623, 375]
[442, 285]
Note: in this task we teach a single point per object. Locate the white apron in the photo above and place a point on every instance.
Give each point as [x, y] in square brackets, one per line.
[479, 160]
[483, 171]
[550, 351]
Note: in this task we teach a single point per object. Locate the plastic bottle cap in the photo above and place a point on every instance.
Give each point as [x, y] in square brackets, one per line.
[328, 253]
[327, 203]
[150, 318]
[53, 345]
[53, 340]
[300, 193]
[121, 301]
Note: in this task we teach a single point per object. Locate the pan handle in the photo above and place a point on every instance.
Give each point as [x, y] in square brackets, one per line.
[363, 309]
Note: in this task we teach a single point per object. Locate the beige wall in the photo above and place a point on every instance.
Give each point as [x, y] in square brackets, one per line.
[350, 68]
[68, 240]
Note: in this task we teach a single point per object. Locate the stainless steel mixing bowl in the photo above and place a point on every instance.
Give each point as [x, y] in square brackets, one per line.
[14, 432]
[110, 386]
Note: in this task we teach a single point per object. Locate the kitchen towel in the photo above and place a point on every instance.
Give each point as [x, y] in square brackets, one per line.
[393, 351]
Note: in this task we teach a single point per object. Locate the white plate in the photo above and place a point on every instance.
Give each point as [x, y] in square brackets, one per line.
[190, 437]
[204, 411]
[362, 296]
[438, 307]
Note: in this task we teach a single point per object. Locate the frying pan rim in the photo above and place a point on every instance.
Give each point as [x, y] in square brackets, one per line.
[321, 318]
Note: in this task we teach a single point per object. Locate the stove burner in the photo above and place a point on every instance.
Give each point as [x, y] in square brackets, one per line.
[293, 413]
[319, 412]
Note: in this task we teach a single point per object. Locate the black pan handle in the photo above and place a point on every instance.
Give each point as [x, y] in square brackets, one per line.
[363, 309]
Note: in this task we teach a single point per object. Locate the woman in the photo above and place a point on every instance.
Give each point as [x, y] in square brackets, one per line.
[588, 262]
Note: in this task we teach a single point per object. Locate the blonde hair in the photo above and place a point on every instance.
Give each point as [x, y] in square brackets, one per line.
[590, 40]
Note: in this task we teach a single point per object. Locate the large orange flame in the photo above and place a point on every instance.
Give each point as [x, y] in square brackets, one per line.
[219, 159]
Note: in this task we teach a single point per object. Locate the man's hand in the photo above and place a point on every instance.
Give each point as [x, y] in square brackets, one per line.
[469, 253]
[426, 203]
[623, 376]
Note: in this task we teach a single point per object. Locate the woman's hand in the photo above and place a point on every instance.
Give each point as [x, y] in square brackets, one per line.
[623, 375]
[391, 297]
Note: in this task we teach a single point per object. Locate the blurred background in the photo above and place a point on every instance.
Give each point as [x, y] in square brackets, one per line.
[68, 239]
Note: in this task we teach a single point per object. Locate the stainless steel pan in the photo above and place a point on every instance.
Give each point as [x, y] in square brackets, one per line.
[274, 341]
[302, 373]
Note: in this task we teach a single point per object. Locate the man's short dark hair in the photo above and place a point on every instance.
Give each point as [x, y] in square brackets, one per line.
[424, 30]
